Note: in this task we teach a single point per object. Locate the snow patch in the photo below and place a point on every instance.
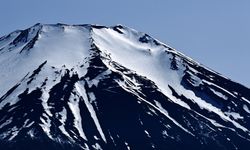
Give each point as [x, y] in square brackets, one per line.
[63, 118]
[92, 112]
[74, 107]
[219, 94]
[46, 124]
[234, 115]
[246, 109]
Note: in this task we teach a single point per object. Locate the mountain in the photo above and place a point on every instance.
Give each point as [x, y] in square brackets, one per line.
[77, 87]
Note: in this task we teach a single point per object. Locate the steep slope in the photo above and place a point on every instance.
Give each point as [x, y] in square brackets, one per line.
[96, 87]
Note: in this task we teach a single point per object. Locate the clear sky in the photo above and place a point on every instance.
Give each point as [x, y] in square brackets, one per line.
[215, 33]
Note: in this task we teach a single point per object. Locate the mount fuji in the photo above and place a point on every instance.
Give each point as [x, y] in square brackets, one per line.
[84, 87]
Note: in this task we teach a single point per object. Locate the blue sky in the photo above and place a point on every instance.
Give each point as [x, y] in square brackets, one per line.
[215, 33]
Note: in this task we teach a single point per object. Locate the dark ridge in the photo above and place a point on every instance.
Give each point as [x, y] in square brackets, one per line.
[31, 43]
[61, 24]
[6, 36]
[58, 99]
[44, 82]
[117, 29]
[38, 24]
[24, 77]
[82, 25]
[29, 103]
[9, 92]
[60, 93]
[28, 107]
[173, 64]
[156, 43]
[145, 39]
[124, 70]
[24, 93]
[22, 37]
[98, 26]
[88, 124]
[169, 48]
[119, 26]
[219, 80]
[203, 92]
[35, 72]
[229, 104]
[196, 107]
[94, 63]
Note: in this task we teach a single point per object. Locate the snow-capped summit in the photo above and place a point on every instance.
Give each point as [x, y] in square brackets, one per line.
[96, 87]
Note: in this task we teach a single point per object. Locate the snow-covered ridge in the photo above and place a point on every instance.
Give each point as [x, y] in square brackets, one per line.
[44, 42]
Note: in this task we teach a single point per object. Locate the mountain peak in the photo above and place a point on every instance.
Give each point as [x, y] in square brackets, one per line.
[97, 87]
